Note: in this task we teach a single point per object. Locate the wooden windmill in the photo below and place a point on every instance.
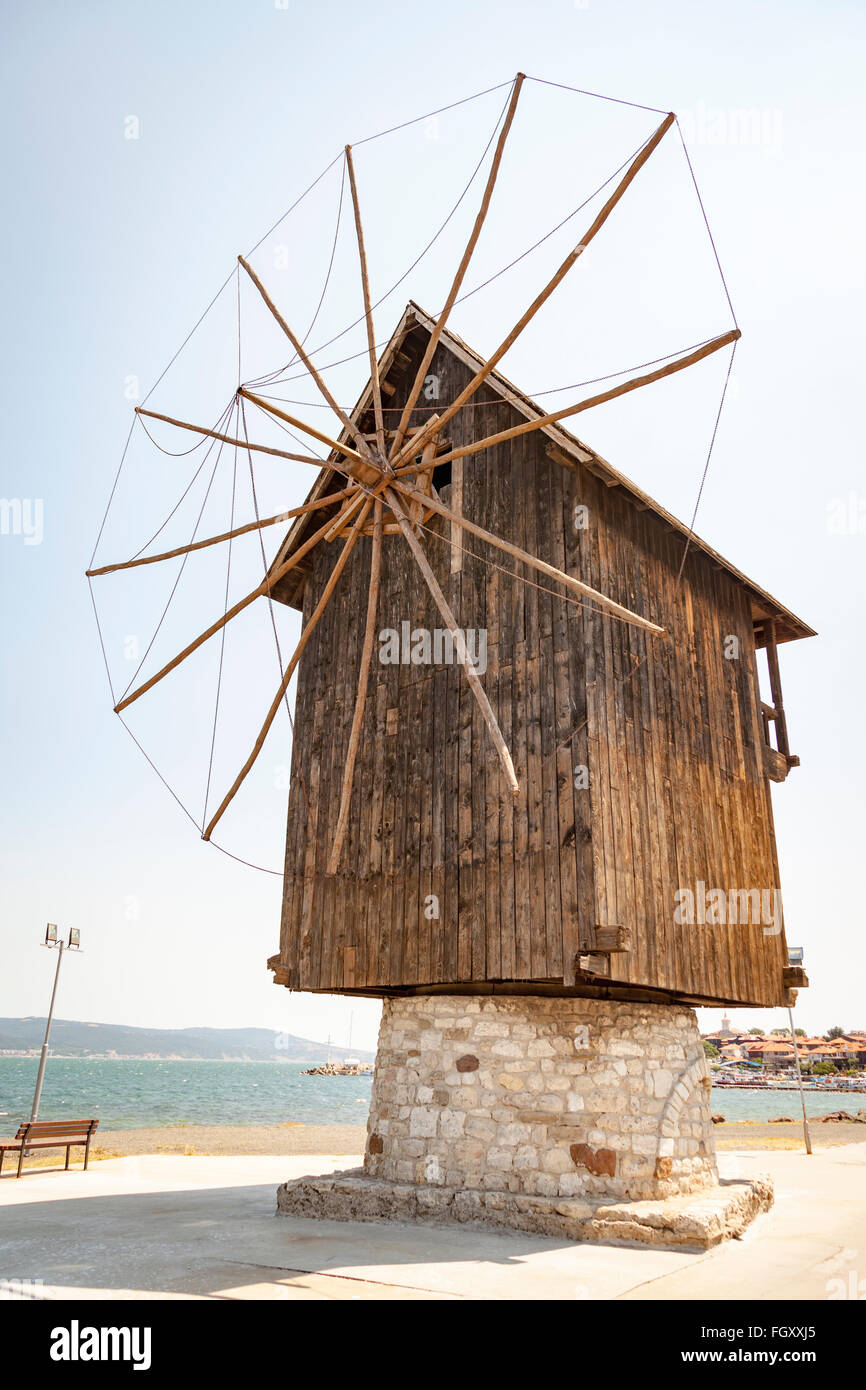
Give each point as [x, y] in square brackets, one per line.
[524, 828]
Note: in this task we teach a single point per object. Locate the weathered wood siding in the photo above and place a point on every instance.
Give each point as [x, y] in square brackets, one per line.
[668, 728]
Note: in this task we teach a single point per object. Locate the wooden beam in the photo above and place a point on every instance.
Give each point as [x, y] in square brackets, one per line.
[368, 311]
[427, 460]
[434, 503]
[594, 966]
[346, 421]
[540, 299]
[776, 687]
[263, 588]
[611, 940]
[459, 640]
[226, 535]
[633, 384]
[228, 439]
[290, 670]
[794, 976]
[428, 456]
[456, 539]
[333, 444]
[777, 765]
[361, 697]
[461, 270]
[346, 514]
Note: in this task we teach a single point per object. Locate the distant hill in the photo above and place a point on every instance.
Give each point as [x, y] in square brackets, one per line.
[74, 1039]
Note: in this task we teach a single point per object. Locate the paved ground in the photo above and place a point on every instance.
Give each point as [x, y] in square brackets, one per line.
[166, 1226]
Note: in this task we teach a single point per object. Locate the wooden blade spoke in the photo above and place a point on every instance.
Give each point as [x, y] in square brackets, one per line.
[333, 444]
[349, 510]
[421, 374]
[290, 669]
[368, 312]
[226, 535]
[632, 385]
[485, 370]
[459, 640]
[228, 439]
[428, 459]
[263, 588]
[434, 503]
[347, 423]
[361, 698]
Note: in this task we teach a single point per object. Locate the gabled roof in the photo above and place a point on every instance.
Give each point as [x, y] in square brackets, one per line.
[563, 446]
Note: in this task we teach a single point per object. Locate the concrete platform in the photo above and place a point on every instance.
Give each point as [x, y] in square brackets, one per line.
[170, 1226]
[701, 1221]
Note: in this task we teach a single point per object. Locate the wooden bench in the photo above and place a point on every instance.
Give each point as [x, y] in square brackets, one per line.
[49, 1134]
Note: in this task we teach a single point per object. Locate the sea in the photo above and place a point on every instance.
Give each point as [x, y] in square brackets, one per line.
[134, 1094]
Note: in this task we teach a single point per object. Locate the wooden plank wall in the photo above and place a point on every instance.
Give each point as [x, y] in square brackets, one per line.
[669, 730]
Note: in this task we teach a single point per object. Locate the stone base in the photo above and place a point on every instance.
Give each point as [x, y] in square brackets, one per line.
[719, 1213]
[523, 1096]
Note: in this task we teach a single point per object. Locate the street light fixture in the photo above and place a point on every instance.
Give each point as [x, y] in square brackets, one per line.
[73, 944]
[795, 957]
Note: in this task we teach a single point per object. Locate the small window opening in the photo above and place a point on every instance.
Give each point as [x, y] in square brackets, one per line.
[441, 476]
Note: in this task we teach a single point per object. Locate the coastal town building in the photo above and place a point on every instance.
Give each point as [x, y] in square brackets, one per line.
[776, 1052]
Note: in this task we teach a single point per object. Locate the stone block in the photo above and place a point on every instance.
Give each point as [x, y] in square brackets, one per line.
[451, 1124]
[467, 1063]
[509, 1081]
[423, 1123]
[556, 1161]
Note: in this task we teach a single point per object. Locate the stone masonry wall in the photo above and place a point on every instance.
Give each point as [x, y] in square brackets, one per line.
[547, 1097]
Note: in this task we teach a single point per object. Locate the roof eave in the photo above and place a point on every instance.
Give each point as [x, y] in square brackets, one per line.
[764, 606]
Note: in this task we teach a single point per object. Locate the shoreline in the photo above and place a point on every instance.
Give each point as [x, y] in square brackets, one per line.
[294, 1139]
[297, 1140]
[288, 1139]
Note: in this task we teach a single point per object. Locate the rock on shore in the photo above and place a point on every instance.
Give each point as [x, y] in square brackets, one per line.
[340, 1069]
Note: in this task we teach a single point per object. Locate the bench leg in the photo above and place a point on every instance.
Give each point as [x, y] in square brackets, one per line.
[86, 1152]
[2, 1156]
[20, 1160]
[66, 1164]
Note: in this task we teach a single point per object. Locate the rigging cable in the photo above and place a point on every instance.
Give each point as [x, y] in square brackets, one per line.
[222, 420]
[270, 597]
[419, 257]
[484, 283]
[264, 380]
[179, 574]
[599, 96]
[530, 395]
[226, 600]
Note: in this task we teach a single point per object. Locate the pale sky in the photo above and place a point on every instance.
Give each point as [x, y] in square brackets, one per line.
[146, 146]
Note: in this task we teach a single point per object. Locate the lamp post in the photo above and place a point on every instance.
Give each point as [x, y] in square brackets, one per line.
[795, 957]
[73, 944]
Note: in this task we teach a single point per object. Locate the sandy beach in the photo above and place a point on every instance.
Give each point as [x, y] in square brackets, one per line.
[289, 1139]
[295, 1139]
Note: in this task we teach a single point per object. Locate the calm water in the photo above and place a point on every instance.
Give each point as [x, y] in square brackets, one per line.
[766, 1105]
[133, 1094]
[129, 1095]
